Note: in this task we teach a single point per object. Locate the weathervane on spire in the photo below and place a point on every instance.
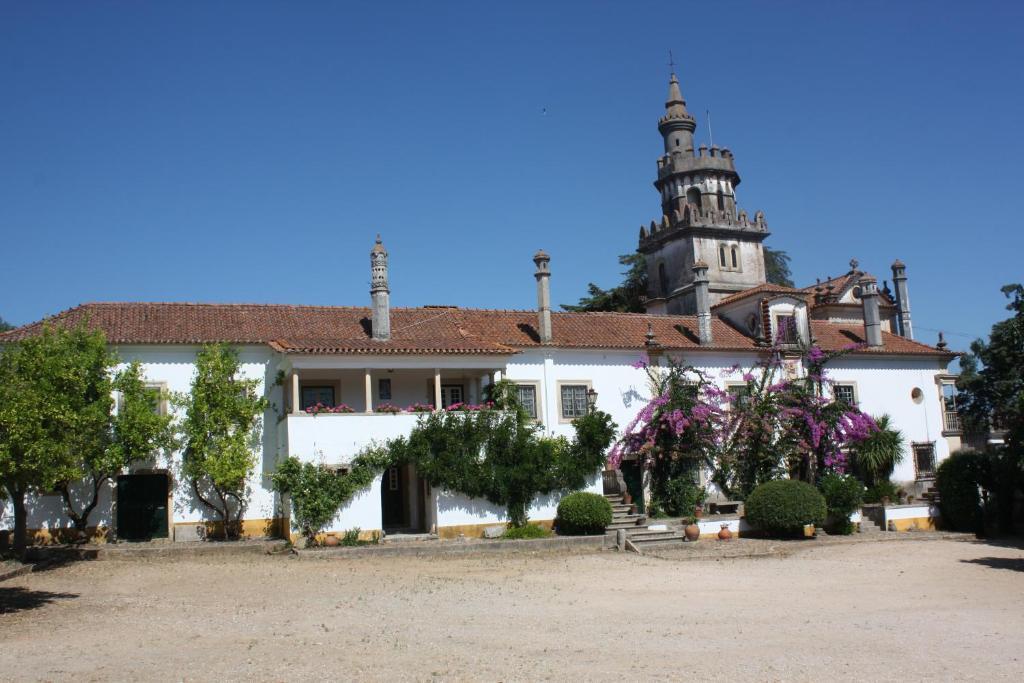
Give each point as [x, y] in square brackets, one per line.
[671, 62]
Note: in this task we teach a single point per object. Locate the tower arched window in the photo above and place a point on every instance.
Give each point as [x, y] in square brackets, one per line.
[693, 196]
[735, 259]
[662, 280]
[721, 257]
[721, 201]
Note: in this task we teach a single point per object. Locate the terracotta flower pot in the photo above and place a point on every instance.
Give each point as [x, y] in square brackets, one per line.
[331, 541]
[698, 511]
[725, 533]
[691, 532]
[627, 499]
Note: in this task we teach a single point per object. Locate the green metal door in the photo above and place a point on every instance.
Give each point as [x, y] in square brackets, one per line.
[142, 506]
[633, 476]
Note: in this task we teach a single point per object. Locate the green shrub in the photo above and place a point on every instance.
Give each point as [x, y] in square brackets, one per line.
[957, 481]
[843, 495]
[526, 531]
[679, 498]
[882, 489]
[583, 513]
[351, 537]
[784, 506]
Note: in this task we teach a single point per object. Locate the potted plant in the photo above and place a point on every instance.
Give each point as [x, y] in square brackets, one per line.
[691, 532]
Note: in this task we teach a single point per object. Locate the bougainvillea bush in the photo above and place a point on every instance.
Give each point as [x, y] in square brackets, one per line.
[766, 425]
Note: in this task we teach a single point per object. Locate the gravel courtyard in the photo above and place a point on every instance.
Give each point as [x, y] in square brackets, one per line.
[879, 610]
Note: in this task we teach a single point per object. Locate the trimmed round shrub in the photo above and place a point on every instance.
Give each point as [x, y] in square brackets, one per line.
[957, 481]
[583, 513]
[843, 496]
[783, 507]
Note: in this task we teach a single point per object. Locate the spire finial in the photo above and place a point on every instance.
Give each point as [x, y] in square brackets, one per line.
[671, 63]
[853, 265]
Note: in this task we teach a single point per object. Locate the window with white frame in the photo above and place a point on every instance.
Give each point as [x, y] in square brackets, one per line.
[574, 400]
[384, 389]
[740, 394]
[526, 394]
[845, 393]
[313, 395]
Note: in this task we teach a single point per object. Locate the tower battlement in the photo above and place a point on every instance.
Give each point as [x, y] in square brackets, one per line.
[692, 217]
[707, 159]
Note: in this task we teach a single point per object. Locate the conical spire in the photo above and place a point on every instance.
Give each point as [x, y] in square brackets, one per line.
[675, 107]
[675, 102]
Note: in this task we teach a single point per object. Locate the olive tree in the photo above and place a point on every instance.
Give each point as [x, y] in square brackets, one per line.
[55, 402]
[220, 433]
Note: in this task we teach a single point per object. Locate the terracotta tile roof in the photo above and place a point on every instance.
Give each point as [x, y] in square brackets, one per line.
[330, 329]
[837, 336]
[767, 288]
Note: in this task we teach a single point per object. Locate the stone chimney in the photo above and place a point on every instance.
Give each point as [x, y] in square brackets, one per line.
[700, 288]
[543, 276]
[899, 279]
[379, 292]
[872, 320]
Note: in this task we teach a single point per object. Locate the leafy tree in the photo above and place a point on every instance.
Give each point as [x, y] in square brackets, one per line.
[502, 456]
[54, 403]
[776, 267]
[627, 297]
[317, 492]
[221, 430]
[876, 456]
[4, 325]
[992, 376]
[131, 435]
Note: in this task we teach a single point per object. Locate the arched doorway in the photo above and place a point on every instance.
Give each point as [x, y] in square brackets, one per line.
[403, 501]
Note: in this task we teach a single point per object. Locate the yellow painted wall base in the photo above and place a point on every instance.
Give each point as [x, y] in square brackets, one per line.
[915, 524]
[271, 527]
[93, 534]
[477, 530]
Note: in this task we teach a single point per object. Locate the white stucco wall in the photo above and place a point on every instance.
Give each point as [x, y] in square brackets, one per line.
[883, 385]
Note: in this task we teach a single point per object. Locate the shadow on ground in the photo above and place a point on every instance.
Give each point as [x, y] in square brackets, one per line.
[1015, 564]
[18, 599]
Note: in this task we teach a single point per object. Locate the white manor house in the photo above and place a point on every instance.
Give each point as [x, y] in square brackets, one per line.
[708, 306]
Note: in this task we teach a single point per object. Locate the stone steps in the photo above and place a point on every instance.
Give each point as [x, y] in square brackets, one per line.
[632, 522]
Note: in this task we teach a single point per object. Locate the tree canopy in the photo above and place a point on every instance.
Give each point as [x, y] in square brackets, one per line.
[54, 404]
[4, 325]
[626, 297]
[221, 431]
[776, 267]
[992, 376]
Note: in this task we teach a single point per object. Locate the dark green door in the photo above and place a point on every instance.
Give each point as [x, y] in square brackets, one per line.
[142, 506]
[392, 498]
[632, 474]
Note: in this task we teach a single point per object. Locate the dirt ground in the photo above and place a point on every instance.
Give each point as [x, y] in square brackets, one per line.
[881, 611]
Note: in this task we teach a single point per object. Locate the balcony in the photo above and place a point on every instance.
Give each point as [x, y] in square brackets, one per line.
[336, 438]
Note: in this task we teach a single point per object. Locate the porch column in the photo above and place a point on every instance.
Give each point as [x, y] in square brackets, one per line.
[437, 389]
[295, 393]
[369, 390]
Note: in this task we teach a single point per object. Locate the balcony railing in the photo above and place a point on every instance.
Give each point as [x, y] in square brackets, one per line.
[951, 420]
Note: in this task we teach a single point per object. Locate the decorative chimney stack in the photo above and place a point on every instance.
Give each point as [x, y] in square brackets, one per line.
[380, 295]
[543, 276]
[899, 279]
[703, 300]
[872, 320]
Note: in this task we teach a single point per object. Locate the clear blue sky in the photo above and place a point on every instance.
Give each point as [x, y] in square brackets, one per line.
[248, 152]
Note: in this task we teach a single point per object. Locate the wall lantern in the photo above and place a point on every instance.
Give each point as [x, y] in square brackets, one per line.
[591, 399]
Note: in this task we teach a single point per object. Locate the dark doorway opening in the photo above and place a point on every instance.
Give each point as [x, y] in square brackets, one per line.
[403, 495]
[142, 506]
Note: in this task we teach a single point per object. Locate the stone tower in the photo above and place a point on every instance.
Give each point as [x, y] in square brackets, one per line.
[379, 293]
[699, 220]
